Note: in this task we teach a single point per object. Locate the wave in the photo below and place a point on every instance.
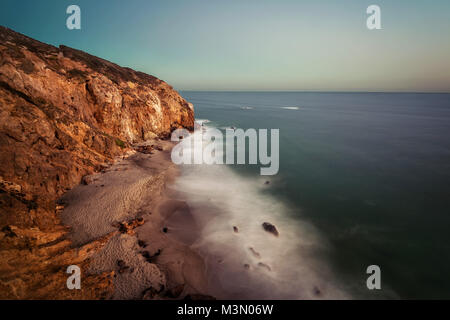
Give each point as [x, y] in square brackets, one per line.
[291, 108]
[202, 121]
[252, 263]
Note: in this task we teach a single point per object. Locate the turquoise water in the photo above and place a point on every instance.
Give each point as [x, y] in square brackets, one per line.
[370, 171]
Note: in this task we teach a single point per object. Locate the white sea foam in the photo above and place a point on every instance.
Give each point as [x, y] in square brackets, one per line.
[220, 199]
[291, 108]
[202, 121]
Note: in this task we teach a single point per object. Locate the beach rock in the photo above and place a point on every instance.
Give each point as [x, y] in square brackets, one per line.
[150, 294]
[270, 228]
[317, 291]
[129, 226]
[151, 258]
[145, 149]
[87, 180]
[254, 252]
[142, 243]
[64, 113]
[124, 269]
[235, 229]
[146, 255]
[157, 253]
[265, 266]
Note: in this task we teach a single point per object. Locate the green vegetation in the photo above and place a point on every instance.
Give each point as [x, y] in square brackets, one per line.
[120, 143]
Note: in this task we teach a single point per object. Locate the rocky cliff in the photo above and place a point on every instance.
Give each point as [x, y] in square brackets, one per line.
[64, 114]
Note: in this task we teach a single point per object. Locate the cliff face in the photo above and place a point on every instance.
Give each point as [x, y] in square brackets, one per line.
[64, 114]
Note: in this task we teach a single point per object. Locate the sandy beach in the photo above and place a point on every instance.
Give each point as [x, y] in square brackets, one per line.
[155, 259]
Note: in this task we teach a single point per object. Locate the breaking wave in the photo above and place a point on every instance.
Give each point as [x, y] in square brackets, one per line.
[252, 263]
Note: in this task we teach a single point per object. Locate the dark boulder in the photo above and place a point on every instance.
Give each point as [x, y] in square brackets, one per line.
[265, 266]
[317, 291]
[270, 228]
[254, 252]
[142, 243]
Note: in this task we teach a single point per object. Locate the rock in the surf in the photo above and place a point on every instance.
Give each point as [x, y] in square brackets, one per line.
[270, 228]
[254, 252]
[265, 266]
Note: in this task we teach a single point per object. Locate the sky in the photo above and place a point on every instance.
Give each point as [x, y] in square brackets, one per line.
[243, 45]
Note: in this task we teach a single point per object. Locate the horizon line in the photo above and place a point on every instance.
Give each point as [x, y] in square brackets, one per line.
[317, 91]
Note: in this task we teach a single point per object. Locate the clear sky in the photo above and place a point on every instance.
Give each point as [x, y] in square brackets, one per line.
[256, 44]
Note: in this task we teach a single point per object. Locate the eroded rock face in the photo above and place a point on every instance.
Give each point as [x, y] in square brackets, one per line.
[64, 114]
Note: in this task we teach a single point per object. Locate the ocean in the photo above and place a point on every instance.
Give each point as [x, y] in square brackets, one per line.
[364, 180]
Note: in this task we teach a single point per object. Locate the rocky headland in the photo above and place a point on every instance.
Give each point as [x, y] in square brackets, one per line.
[66, 115]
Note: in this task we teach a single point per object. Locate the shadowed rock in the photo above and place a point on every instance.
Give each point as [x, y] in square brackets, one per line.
[270, 228]
[265, 266]
[86, 180]
[142, 244]
[317, 291]
[254, 252]
[151, 258]
[129, 226]
[150, 293]
[145, 149]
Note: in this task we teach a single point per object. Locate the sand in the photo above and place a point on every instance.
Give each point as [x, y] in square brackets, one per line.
[138, 185]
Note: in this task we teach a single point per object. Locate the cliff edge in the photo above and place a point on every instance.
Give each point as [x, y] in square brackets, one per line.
[64, 114]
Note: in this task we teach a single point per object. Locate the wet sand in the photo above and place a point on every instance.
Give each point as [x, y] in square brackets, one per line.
[156, 254]
[216, 245]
